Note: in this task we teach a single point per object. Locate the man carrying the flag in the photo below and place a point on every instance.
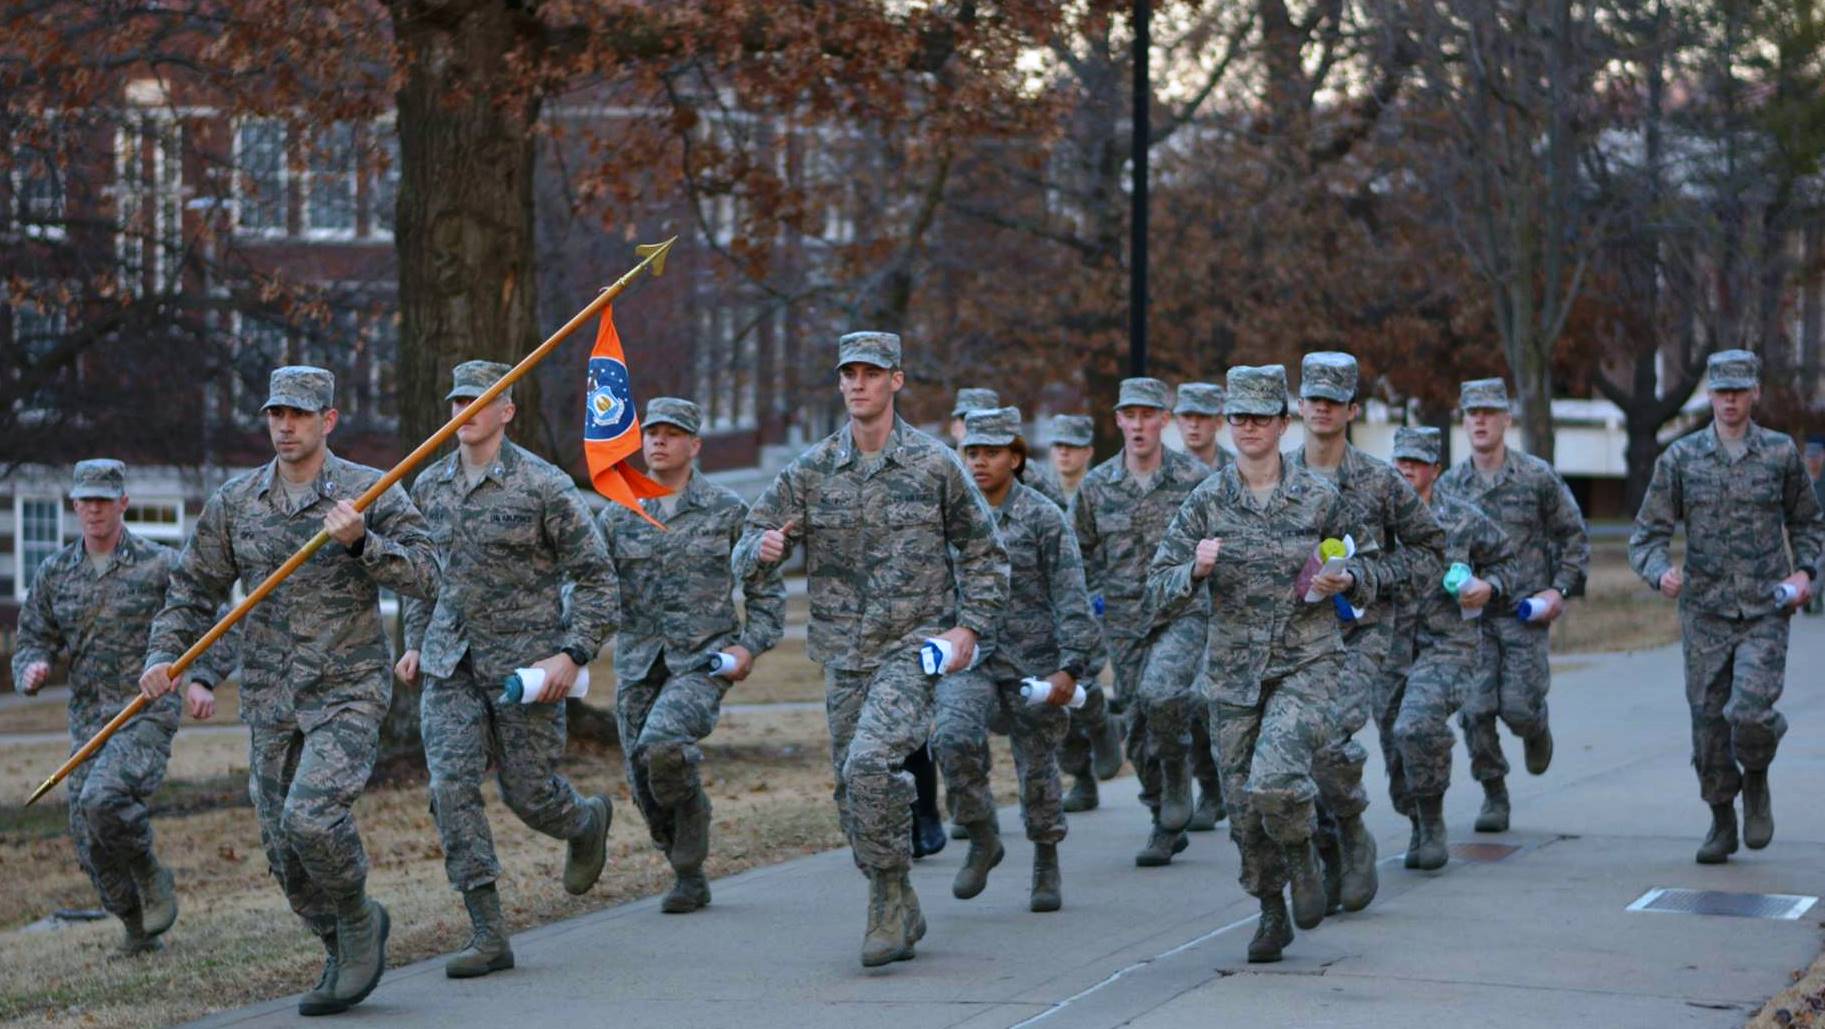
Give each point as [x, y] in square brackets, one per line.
[900, 549]
[678, 612]
[314, 677]
[511, 531]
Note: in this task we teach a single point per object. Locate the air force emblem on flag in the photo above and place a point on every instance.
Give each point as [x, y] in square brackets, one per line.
[610, 409]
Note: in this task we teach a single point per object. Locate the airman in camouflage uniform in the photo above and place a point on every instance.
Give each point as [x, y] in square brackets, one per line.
[1072, 438]
[1198, 409]
[1119, 515]
[1437, 649]
[1532, 504]
[977, 399]
[1046, 632]
[678, 611]
[900, 547]
[315, 676]
[1752, 524]
[511, 531]
[1411, 543]
[1240, 556]
[93, 602]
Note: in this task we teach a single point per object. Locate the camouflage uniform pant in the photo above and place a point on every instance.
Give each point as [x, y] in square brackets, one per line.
[876, 719]
[661, 718]
[109, 823]
[1126, 655]
[1512, 684]
[1418, 739]
[1337, 766]
[1171, 721]
[1390, 693]
[969, 705]
[1265, 753]
[467, 729]
[304, 785]
[1735, 671]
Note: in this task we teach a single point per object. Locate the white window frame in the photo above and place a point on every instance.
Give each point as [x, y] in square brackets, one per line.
[309, 184]
[282, 192]
[165, 532]
[162, 189]
[22, 577]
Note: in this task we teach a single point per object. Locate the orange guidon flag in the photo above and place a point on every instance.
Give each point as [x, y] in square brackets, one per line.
[611, 428]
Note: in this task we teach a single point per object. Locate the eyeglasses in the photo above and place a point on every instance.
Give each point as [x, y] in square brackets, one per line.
[1254, 421]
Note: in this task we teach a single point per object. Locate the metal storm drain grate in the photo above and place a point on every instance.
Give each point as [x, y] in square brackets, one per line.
[1483, 853]
[1673, 901]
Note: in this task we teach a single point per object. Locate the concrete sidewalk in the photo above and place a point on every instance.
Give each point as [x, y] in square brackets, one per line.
[1537, 937]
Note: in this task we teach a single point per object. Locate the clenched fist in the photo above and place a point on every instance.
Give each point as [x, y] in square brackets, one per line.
[773, 542]
[1204, 560]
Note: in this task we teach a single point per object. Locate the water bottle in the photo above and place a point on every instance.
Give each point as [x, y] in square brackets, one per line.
[1785, 593]
[1529, 609]
[720, 663]
[1456, 578]
[523, 686]
[1038, 692]
[935, 654]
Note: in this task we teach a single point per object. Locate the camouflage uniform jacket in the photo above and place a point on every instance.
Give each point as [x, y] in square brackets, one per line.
[1398, 521]
[100, 619]
[1118, 526]
[879, 564]
[678, 586]
[1260, 627]
[1043, 484]
[505, 549]
[1471, 538]
[1535, 508]
[1047, 625]
[1742, 518]
[315, 645]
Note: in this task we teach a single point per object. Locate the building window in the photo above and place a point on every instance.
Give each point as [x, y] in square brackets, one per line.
[383, 365]
[38, 528]
[259, 347]
[259, 145]
[385, 195]
[148, 199]
[39, 325]
[329, 203]
[38, 190]
[161, 519]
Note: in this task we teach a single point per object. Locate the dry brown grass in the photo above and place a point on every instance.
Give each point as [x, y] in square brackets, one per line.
[235, 943]
[1800, 1006]
[1617, 612]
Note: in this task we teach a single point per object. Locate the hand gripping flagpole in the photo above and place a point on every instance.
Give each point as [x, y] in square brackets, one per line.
[652, 255]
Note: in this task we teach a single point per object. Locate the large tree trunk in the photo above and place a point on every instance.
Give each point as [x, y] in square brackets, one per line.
[465, 217]
[464, 224]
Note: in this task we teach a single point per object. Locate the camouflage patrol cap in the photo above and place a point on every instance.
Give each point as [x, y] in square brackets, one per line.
[1256, 389]
[301, 386]
[1199, 398]
[881, 349]
[1141, 393]
[673, 411]
[1328, 375]
[1417, 443]
[1733, 369]
[1484, 395]
[1073, 430]
[100, 478]
[975, 399]
[472, 378]
[993, 427]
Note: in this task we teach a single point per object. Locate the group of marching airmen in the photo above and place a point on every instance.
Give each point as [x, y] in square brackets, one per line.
[1255, 609]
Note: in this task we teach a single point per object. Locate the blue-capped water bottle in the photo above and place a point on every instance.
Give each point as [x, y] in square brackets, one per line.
[1529, 609]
